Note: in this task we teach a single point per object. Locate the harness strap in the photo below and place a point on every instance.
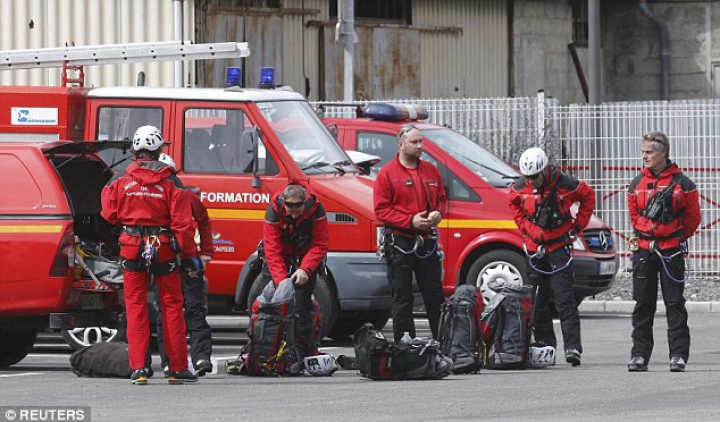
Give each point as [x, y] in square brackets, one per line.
[140, 266]
[673, 235]
[563, 238]
[147, 230]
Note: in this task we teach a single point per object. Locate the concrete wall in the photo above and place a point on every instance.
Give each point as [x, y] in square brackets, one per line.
[541, 32]
[631, 49]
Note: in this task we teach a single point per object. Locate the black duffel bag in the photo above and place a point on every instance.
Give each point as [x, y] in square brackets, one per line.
[377, 359]
[102, 360]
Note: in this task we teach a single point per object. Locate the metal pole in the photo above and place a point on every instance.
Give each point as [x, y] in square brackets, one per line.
[178, 19]
[594, 64]
[595, 95]
[347, 29]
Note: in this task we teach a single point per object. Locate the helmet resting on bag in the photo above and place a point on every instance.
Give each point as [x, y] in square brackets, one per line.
[147, 138]
[167, 160]
[320, 365]
[541, 357]
[533, 161]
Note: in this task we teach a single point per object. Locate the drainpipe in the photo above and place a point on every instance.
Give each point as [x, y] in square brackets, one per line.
[178, 22]
[664, 48]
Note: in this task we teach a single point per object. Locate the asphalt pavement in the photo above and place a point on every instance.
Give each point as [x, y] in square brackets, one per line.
[600, 389]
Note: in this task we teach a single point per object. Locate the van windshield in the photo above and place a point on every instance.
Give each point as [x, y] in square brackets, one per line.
[305, 137]
[480, 161]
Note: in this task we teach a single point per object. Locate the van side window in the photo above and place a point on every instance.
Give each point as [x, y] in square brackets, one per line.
[219, 141]
[119, 124]
[380, 144]
[455, 188]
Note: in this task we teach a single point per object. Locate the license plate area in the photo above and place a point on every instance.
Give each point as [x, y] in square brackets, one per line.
[608, 267]
[91, 301]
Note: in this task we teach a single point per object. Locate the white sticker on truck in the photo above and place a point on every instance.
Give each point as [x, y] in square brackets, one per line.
[34, 116]
[241, 197]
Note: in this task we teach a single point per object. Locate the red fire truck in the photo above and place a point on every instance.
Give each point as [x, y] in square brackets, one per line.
[237, 145]
[480, 239]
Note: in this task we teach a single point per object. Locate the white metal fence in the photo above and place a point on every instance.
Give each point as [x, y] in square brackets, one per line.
[600, 145]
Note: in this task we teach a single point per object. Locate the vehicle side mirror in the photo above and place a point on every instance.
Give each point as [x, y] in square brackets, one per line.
[255, 135]
[363, 161]
[333, 129]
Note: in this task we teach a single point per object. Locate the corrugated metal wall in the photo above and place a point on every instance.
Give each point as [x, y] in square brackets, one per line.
[460, 49]
[301, 52]
[473, 63]
[463, 43]
[29, 24]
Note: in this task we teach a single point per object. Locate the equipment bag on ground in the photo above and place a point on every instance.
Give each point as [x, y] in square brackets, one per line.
[459, 333]
[102, 360]
[271, 349]
[506, 328]
[377, 359]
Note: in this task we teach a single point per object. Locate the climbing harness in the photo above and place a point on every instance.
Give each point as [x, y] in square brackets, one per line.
[540, 254]
[665, 259]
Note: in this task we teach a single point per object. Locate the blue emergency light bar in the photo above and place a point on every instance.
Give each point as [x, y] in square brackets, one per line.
[395, 112]
[267, 78]
[233, 77]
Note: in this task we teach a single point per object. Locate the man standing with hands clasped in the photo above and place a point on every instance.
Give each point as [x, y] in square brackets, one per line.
[664, 210]
[409, 200]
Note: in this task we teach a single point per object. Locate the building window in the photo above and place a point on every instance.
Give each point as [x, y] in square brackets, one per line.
[580, 22]
[387, 11]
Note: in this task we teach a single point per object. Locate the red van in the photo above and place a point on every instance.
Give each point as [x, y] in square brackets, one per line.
[481, 242]
[49, 207]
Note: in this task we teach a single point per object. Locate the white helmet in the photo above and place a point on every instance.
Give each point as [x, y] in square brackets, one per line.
[541, 357]
[533, 161]
[147, 138]
[167, 160]
[320, 365]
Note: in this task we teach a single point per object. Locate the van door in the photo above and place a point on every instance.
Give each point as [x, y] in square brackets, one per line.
[215, 154]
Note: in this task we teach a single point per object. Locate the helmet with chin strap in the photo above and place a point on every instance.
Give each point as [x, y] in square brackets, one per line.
[167, 160]
[147, 138]
[541, 357]
[533, 161]
[320, 365]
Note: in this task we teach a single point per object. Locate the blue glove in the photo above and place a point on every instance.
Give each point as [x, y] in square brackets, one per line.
[192, 264]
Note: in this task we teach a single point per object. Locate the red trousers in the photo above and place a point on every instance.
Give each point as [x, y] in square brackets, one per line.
[171, 301]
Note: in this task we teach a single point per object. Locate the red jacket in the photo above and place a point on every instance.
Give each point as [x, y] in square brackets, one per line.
[144, 196]
[306, 238]
[201, 217]
[685, 207]
[525, 198]
[396, 196]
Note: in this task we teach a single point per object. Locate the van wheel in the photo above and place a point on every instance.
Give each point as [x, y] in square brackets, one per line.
[349, 322]
[80, 337]
[15, 346]
[324, 295]
[496, 269]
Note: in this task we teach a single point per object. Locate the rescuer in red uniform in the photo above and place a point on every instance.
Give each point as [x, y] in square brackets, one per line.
[409, 200]
[295, 244]
[156, 222]
[664, 210]
[541, 203]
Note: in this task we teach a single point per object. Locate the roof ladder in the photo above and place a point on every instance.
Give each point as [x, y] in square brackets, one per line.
[74, 57]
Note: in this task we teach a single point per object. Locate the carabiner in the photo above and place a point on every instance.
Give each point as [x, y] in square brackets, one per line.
[633, 244]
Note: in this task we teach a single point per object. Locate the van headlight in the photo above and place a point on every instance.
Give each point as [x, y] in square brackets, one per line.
[578, 244]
